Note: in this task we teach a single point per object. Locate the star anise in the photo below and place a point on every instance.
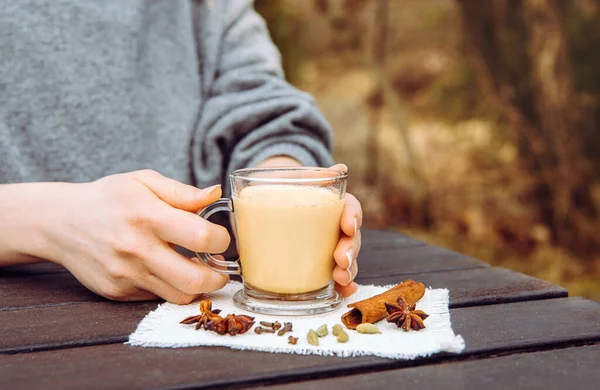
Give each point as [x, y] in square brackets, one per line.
[405, 316]
[206, 315]
[209, 319]
[232, 324]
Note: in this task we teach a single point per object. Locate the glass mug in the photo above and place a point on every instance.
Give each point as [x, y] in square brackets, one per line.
[287, 226]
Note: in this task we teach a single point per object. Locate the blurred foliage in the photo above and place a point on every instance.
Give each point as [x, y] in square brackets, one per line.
[471, 151]
[583, 29]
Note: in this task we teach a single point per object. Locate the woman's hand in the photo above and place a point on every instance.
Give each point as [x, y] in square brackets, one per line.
[348, 247]
[116, 236]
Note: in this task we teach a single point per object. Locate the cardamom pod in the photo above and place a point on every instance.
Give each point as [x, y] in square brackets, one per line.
[312, 338]
[367, 328]
[337, 328]
[342, 336]
[322, 331]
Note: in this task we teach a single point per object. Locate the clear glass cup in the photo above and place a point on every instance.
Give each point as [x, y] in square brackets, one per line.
[287, 225]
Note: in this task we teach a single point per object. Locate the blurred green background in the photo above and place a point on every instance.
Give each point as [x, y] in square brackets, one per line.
[469, 124]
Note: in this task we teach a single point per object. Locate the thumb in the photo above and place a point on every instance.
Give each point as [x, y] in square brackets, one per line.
[177, 194]
[340, 167]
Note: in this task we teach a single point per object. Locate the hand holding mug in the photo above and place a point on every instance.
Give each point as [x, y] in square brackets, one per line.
[115, 236]
[348, 247]
[288, 224]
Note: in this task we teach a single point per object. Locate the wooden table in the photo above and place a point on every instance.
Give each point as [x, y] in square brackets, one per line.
[520, 332]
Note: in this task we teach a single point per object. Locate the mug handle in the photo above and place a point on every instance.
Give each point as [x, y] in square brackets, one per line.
[220, 266]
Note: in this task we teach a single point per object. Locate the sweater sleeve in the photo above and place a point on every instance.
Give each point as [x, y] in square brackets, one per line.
[250, 112]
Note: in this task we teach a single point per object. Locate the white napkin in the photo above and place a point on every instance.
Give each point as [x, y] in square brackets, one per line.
[161, 328]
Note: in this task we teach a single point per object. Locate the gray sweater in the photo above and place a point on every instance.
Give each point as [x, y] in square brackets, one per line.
[192, 89]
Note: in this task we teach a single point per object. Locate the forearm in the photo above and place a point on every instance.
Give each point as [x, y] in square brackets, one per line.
[252, 114]
[279, 161]
[21, 238]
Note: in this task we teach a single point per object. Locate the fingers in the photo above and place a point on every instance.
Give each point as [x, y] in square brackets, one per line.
[140, 295]
[155, 285]
[279, 161]
[339, 167]
[351, 220]
[352, 215]
[344, 276]
[347, 267]
[346, 290]
[177, 194]
[346, 251]
[184, 274]
[190, 231]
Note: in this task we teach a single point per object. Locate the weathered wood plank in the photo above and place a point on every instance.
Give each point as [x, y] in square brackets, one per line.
[414, 260]
[42, 290]
[31, 269]
[69, 325]
[488, 330]
[387, 240]
[372, 240]
[30, 289]
[480, 286]
[383, 253]
[559, 369]
[471, 287]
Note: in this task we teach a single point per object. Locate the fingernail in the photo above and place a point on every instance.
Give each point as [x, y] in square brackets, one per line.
[355, 225]
[350, 256]
[209, 190]
[349, 277]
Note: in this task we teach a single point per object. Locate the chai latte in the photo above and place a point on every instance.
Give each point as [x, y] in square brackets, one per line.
[286, 236]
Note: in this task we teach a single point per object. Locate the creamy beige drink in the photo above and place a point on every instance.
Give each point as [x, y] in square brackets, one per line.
[286, 236]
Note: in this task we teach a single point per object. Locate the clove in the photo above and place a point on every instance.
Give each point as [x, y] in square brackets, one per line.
[260, 329]
[287, 327]
[273, 325]
[292, 340]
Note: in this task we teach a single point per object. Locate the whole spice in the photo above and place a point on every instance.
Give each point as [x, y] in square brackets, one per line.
[292, 340]
[206, 315]
[405, 315]
[287, 327]
[232, 324]
[373, 309]
[312, 338]
[211, 320]
[322, 331]
[367, 328]
[337, 328]
[260, 329]
[273, 325]
[342, 336]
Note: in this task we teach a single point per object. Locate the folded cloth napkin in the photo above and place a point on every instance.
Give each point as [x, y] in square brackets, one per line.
[161, 328]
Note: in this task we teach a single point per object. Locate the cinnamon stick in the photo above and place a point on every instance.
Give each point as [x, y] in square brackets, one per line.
[373, 309]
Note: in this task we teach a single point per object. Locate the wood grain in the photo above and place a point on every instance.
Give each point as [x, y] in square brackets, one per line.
[568, 368]
[414, 260]
[31, 269]
[479, 286]
[470, 287]
[373, 240]
[43, 290]
[488, 330]
[69, 325]
[386, 240]
[24, 289]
